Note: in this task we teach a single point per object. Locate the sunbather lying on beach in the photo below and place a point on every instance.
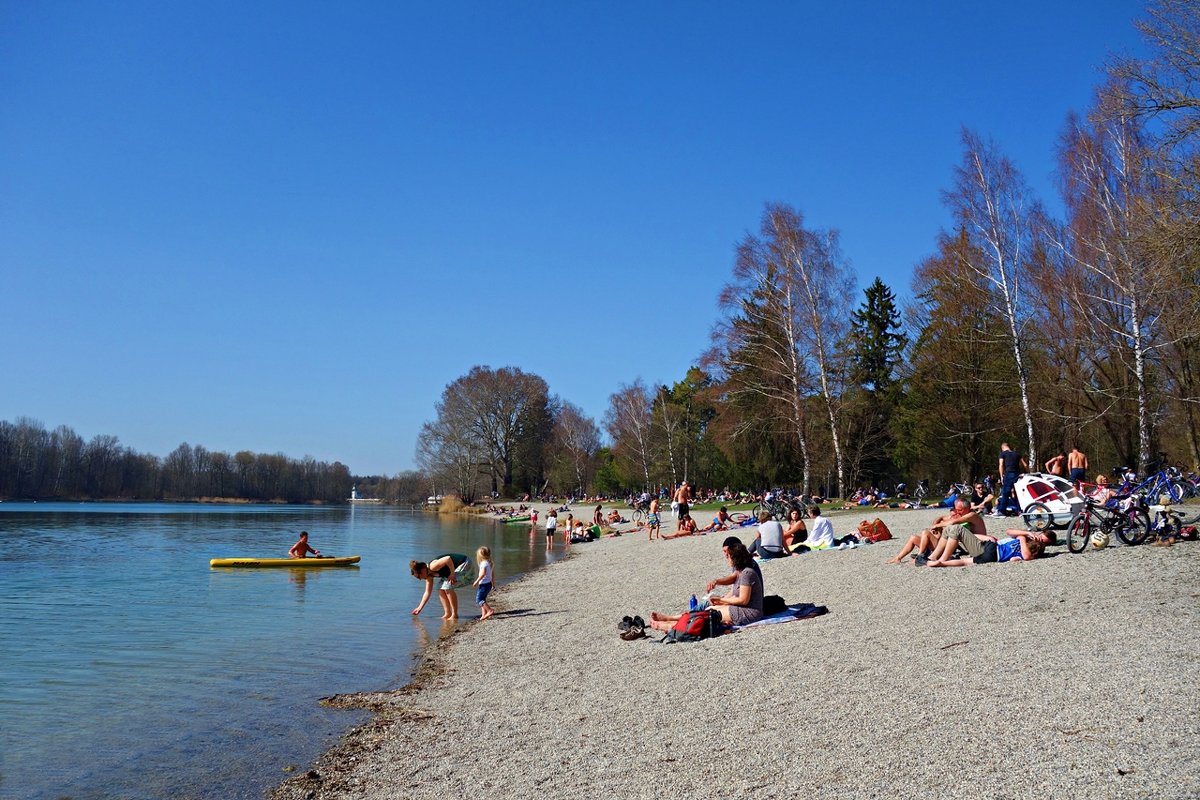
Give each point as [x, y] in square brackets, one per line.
[1016, 545]
[743, 604]
[721, 522]
[687, 527]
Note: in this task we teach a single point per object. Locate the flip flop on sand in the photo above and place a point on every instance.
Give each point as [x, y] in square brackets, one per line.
[625, 624]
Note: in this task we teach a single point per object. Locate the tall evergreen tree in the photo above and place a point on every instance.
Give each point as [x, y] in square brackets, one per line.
[877, 340]
[876, 346]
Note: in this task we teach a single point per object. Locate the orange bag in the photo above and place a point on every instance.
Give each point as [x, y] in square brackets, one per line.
[875, 531]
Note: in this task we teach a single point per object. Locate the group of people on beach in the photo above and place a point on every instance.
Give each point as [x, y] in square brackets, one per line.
[449, 571]
[963, 528]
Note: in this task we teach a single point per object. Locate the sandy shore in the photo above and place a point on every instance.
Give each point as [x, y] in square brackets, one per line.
[1070, 676]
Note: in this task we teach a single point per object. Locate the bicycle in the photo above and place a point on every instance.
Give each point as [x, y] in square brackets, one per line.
[1167, 525]
[1127, 518]
[775, 509]
[781, 505]
[920, 492]
[1171, 483]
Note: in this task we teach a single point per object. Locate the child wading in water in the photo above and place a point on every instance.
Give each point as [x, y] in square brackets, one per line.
[483, 584]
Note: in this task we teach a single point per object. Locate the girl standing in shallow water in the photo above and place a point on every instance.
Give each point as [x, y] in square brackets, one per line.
[451, 569]
[483, 584]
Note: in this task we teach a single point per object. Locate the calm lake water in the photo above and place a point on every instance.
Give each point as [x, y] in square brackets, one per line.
[130, 669]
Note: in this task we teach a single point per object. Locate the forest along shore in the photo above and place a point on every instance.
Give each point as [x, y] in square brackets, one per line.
[1066, 676]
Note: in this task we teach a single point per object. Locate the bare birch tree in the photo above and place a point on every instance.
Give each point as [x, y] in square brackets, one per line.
[756, 347]
[787, 311]
[823, 285]
[1117, 290]
[669, 423]
[1166, 86]
[576, 440]
[628, 421]
[995, 208]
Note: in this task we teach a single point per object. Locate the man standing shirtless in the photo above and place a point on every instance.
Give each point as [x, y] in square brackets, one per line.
[683, 496]
[1077, 463]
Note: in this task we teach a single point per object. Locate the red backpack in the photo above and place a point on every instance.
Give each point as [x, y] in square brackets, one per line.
[696, 625]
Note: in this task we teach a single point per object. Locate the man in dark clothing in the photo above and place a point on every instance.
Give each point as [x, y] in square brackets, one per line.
[1011, 467]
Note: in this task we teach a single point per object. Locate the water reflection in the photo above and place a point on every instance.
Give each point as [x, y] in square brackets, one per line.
[299, 579]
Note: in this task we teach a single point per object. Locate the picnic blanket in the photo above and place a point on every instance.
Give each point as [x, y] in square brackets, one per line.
[790, 614]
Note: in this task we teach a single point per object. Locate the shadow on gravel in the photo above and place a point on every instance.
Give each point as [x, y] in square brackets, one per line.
[523, 612]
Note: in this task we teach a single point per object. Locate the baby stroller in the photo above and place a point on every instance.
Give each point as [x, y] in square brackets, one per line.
[1046, 501]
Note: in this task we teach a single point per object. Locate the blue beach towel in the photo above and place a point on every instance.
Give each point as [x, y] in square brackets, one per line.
[790, 614]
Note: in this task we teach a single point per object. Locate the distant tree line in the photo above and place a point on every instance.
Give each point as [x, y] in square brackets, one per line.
[1045, 332]
[39, 464]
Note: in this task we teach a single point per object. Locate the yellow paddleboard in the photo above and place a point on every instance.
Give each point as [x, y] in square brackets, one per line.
[302, 563]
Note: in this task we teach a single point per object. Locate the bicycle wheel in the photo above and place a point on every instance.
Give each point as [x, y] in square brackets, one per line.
[638, 516]
[1080, 530]
[1132, 526]
[1189, 507]
[763, 508]
[1038, 517]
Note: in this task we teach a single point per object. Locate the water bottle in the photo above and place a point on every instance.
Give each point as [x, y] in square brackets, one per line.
[692, 603]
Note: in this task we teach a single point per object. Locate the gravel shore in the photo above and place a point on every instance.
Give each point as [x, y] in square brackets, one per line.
[1070, 676]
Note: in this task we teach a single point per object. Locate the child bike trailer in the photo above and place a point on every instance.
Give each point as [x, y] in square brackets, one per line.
[1046, 501]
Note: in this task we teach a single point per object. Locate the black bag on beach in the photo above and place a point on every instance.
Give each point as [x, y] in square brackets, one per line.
[773, 604]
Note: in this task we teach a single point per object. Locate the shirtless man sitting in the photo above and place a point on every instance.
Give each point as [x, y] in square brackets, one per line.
[964, 528]
[929, 539]
[301, 549]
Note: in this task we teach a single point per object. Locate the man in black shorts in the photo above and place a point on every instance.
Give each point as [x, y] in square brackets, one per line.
[683, 496]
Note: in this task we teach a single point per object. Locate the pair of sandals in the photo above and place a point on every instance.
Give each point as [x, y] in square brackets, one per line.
[632, 628]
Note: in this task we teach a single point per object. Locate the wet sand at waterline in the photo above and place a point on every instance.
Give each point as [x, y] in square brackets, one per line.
[1069, 676]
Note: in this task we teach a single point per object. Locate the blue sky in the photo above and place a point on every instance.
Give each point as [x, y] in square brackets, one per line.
[285, 227]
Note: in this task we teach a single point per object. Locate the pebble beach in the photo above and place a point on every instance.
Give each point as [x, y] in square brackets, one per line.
[1075, 675]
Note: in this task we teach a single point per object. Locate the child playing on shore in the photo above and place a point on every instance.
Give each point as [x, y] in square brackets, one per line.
[483, 584]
